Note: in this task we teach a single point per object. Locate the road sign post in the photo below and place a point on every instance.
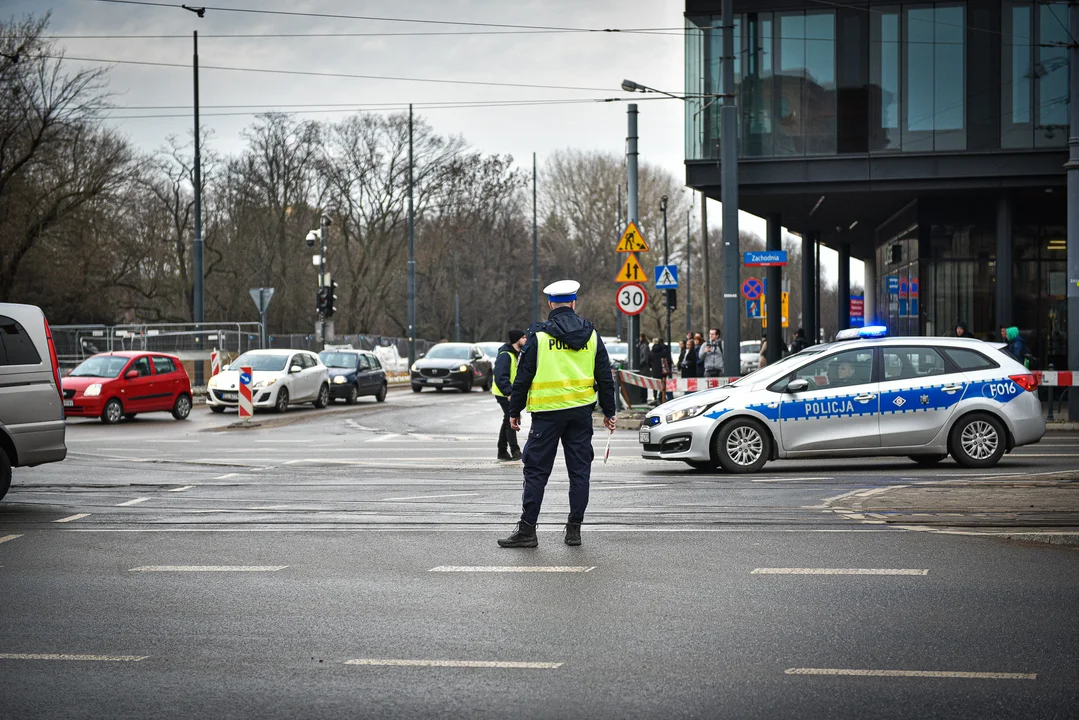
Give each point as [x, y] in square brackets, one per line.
[262, 297]
[631, 299]
[247, 404]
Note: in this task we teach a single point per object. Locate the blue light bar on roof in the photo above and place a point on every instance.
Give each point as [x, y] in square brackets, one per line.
[871, 331]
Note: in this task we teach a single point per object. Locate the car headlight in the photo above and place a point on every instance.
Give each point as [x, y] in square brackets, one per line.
[339, 380]
[92, 390]
[212, 382]
[415, 367]
[463, 368]
[691, 412]
[263, 384]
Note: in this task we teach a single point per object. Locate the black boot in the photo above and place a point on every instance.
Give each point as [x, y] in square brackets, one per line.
[573, 533]
[515, 454]
[504, 456]
[523, 537]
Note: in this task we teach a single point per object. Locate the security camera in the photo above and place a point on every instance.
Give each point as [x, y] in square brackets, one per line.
[663, 203]
[312, 238]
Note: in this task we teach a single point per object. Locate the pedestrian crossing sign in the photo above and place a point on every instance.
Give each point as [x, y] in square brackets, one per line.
[666, 277]
[632, 240]
[631, 271]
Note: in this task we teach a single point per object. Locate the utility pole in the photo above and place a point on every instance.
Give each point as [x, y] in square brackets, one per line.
[535, 251]
[411, 254]
[618, 212]
[631, 201]
[1073, 211]
[666, 261]
[197, 291]
[457, 316]
[323, 224]
[707, 268]
[689, 270]
[729, 169]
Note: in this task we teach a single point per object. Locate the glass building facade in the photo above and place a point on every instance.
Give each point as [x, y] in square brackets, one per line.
[902, 78]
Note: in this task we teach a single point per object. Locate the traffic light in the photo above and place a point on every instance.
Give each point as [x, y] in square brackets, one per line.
[671, 300]
[331, 298]
[322, 300]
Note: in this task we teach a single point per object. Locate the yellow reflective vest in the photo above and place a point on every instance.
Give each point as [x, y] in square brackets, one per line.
[513, 374]
[565, 378]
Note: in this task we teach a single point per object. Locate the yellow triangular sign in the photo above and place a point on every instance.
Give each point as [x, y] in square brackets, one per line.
[631, 271]
[632, 241]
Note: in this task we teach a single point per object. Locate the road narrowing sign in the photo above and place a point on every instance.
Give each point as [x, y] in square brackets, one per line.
[632, 299]
[631, 271]
[632, 241]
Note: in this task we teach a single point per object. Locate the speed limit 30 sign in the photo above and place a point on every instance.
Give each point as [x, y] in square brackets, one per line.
[631, 298]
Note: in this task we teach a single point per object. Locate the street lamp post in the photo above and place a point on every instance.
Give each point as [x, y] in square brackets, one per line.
[666, 261]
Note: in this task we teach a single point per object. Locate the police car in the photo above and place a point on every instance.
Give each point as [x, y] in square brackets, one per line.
[864, 395]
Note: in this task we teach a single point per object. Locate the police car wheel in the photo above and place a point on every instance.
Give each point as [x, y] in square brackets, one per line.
[927, 460]
[742, 446]
[978, 441]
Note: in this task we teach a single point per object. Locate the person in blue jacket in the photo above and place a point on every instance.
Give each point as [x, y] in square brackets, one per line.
[505, 373]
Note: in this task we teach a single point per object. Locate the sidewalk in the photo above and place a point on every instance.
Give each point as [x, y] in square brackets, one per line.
[1045, 509]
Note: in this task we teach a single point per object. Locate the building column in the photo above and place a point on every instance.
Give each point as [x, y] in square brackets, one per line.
[809, 286]
[871, 290]
[774, 297]
[844, 286]
[1004, 262]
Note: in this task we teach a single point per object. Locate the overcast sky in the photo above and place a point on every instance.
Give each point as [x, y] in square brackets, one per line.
[596, 60]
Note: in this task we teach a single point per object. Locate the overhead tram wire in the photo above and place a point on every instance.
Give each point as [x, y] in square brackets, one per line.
[376, 18]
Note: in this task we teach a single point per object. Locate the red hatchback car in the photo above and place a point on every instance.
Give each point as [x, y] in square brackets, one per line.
[123, 384]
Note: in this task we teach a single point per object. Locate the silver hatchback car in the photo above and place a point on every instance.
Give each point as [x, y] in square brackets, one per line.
[920, 397]
[31, 404]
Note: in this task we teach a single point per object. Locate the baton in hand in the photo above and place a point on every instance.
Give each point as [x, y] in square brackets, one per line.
[607, 452]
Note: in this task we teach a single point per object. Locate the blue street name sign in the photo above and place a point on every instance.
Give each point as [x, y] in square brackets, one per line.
[767, 258]
[666, 277]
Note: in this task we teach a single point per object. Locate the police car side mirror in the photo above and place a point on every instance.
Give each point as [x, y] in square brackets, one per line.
[798, 385]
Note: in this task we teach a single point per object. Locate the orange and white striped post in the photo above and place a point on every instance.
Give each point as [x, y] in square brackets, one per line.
[247, 405]
[215, 362]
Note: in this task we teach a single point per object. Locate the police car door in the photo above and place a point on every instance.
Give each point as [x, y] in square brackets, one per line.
[839, 409]
[918, 394]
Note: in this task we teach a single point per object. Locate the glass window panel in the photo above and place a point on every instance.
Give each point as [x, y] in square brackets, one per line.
[919, 79]
[949, 79]
[694, 87]
[820, 83]
[790, 77]
[757, 86]
[1052, 73]
[1017, 92]
[884, 90]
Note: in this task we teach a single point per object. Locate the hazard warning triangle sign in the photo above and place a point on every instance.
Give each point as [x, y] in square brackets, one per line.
[631, 271]
[632, 241]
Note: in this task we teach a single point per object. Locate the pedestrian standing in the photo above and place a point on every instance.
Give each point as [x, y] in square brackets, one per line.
[681, 354]
[644, 355]
[689, 362]
[561, 366]
[661, 368]
[505, 372]
[1017, 347]
[962, 331]
[710, 356]
[762, 357]
[799, 343]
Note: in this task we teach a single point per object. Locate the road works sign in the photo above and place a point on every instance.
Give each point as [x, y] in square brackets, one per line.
[632, 241]
[631, 271]
[631, 298]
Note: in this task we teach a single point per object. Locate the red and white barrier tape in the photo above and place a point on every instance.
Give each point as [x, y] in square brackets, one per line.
[673, 384]
[1055, 378]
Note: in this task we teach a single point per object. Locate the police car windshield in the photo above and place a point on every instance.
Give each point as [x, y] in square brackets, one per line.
[450, 352]
[777, 369]
[260, 363]
[338, 359]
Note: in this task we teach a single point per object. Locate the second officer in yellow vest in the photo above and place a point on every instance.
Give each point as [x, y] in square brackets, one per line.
[560, 369]
[505, 372]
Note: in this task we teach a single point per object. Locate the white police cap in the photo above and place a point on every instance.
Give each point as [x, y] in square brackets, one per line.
[562, 291]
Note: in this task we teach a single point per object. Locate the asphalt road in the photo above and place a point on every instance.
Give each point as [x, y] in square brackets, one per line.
[343, 564]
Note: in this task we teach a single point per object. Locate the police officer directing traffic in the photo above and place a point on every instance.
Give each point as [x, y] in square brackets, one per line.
[505, 372]
[562, 364]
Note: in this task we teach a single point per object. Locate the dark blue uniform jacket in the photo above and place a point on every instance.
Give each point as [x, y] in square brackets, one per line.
[502, 369]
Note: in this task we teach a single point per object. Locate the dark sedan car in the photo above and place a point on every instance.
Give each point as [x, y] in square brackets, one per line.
[456, 365]
[354, 373]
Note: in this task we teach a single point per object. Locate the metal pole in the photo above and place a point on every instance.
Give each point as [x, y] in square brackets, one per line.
[707, 304]
[631, 202]
[411, 254]
[322, 225]
[774, 297]
[1073, 213]
[689, 271]
[535, 251]
[197, 291]
[728, 152]
[666, 261]
[263, 333]
[618, 223]
[457, 316]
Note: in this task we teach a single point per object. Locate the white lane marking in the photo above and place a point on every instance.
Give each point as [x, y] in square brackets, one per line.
[789, 479]
[838, 571]
[173, 441]
[513, 569]
[455, 663]
[136, 501]
[384, 438]
[208, 568]
[6, 538]
[226, 476]
[913, 673]
[180, 489]
[627, 487]
[72, 518]
[65, 656]
[429, 497]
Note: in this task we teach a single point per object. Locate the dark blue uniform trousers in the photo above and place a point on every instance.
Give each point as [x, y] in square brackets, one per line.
[574, 429]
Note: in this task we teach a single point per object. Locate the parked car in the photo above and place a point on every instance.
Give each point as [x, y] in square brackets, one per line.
[354, 373]
[749, 356]
[618, 352]
[279, 378]
[459, 365]
[119, 385]
[31, 406]
[490, 350]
